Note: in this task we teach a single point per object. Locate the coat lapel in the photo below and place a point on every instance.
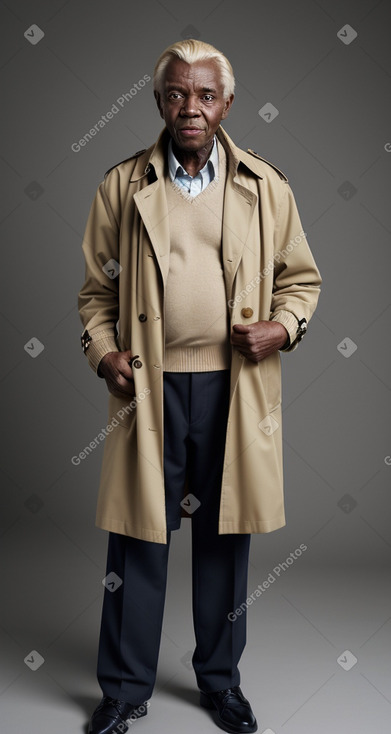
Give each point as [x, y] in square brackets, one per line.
[238, 206]
[152, 205]
[151, 202]
[239, 203]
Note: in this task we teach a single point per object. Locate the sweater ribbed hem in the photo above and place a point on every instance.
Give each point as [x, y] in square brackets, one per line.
[102, 343]
[197, 359]
[290, 321]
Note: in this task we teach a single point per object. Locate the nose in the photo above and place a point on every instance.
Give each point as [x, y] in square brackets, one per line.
[190, 106]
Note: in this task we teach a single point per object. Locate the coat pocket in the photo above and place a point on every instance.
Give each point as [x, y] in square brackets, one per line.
[122, 411]
[270, 371]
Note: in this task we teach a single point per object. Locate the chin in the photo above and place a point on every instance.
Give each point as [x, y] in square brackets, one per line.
[190, 145]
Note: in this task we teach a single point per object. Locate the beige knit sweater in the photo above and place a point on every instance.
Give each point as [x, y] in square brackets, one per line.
[196, 313]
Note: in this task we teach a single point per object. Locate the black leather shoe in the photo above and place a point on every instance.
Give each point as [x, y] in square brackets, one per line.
[234, 713]
[111, 715]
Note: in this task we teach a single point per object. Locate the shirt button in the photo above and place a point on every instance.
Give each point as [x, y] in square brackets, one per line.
[247, 312]
[142, 317]
[137, 364]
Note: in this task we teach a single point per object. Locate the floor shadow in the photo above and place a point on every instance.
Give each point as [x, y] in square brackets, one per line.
[178, 690]
[88, 705]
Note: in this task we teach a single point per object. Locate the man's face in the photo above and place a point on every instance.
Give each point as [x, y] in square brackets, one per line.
[192, 102]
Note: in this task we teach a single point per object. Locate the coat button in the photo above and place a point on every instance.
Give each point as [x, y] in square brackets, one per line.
[135, 362]
[142, 317]
[247, 312]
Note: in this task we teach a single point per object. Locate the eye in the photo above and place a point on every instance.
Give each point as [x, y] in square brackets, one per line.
[174, 95]
[208, 97]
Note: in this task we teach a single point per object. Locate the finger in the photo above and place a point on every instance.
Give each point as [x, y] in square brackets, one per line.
[125, 369]
[122, 367]
[241, 328]
[238, 340]
[125, 383]
[127, 353]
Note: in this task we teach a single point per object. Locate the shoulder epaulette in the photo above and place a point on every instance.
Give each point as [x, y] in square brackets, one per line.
[135, 155]
[280, 173]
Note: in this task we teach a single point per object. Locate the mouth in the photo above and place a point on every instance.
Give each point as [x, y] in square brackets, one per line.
[189, 131]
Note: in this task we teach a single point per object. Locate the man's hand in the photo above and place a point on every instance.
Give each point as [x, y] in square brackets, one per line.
[118, 375]
[259, 340]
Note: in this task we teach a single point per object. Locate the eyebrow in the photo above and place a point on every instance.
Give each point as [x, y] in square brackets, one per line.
[170, 87]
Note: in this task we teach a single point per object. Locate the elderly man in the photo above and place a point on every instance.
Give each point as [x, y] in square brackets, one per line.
[198, 274]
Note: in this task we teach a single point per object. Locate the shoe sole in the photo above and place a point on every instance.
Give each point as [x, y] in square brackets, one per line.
[206, 703]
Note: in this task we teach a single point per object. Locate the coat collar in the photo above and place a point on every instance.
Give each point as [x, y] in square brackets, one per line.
[155, 156]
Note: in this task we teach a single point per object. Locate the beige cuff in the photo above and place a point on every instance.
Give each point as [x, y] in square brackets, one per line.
[289, 320]
[101, 343]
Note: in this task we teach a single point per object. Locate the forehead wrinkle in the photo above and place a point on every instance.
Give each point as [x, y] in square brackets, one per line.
[180, 87]
[188, 73]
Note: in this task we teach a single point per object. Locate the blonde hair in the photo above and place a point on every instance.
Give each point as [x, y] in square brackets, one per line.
[192, 51]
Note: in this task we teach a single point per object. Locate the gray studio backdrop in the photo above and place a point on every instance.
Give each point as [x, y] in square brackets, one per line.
[312, 96]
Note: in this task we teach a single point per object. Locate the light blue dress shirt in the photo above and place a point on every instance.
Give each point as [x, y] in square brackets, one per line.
[193, 185]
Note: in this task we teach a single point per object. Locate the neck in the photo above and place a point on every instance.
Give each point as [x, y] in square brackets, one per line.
[193, 161]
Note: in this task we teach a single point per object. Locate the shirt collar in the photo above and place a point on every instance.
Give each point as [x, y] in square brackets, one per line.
[176, 169]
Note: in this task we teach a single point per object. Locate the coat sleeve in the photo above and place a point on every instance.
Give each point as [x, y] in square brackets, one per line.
[296, 284]
[98, 297]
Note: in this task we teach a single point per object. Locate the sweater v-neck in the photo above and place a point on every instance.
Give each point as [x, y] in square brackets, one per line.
[193, 199]
[210, 187]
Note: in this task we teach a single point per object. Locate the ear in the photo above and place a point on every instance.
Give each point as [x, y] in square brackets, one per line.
[227, 106]
[158, 102]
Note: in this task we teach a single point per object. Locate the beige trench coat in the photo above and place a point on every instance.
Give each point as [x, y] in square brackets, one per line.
[268, 267]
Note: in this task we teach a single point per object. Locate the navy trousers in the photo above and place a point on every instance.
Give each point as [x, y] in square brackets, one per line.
[195, 420]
